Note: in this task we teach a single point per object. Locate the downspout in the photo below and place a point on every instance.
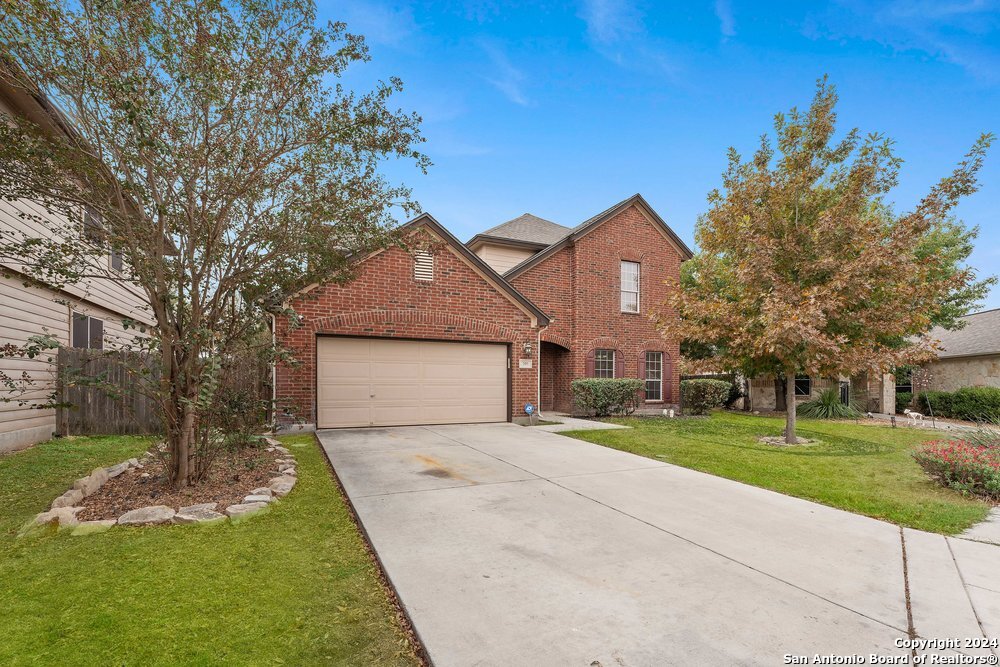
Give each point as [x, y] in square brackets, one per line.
[274, 373]
[538, 373]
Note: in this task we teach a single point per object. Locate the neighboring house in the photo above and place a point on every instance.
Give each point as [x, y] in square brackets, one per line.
[867, 391]
[970, 356]
[436, 334]
[87, 315]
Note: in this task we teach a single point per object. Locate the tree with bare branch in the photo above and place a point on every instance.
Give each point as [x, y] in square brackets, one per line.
[209, 143]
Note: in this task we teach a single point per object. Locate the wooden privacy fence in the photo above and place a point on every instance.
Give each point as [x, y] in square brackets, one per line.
[101, 393]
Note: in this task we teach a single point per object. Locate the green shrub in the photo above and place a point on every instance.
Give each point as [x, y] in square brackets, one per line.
[699, 396]
[827, 406]
[602, 397]
[735, 393]
[937, 403]
[962, 465]
[978, 404]
[904, 399]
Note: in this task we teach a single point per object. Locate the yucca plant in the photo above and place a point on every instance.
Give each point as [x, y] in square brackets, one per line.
[827, 406]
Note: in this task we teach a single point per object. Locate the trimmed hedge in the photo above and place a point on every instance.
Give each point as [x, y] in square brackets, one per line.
[904, 399]
[602, 397]
[968, 403]
[699, 396]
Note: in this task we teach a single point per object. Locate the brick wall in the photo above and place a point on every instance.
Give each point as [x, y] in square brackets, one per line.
[579, 286]
[385, 300]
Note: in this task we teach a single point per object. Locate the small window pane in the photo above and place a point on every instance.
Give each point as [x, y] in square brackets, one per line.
[80, 331]
[803, 385]
[96, 334]
[93, 229]
[116, 260]
[604, 363]
[630, 287]
[654, 376]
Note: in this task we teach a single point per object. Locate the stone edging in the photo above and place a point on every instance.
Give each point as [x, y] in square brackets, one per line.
[63, 510]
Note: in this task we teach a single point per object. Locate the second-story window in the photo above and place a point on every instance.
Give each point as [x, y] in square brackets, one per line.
[630, 287]
[93, 227]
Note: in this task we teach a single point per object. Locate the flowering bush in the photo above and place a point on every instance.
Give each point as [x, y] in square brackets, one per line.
[963, 465]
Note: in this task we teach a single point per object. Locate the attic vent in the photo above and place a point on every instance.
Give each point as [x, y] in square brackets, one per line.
[423, 265]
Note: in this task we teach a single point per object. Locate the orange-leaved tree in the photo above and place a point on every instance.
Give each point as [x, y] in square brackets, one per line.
[804, 266]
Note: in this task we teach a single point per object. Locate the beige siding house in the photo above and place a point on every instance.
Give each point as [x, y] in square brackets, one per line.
[89, 314]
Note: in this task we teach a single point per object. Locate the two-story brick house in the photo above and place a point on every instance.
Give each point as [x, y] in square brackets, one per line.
[447, 332]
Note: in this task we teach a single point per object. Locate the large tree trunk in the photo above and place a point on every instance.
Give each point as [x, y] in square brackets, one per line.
[779, 393]
[790, 408]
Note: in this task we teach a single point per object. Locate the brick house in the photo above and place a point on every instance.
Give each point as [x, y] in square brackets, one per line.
[446, 332]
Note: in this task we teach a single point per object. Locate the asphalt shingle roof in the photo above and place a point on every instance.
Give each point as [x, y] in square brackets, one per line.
[529, 228]
[980, 335]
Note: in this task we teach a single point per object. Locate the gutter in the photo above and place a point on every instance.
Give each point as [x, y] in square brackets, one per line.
[538, 371]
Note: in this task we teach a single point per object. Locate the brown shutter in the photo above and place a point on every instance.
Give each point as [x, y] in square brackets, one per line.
[642, 366]
[619, 364]
[668, 379]
[589, 370]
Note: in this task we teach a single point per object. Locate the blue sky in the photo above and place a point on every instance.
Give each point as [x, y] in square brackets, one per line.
[562, 109]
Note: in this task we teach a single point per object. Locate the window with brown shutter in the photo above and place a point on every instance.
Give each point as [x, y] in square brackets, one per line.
[652, 363]
[604, 364]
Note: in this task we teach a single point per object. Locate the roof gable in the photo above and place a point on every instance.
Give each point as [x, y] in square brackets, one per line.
[979, 336]
[590, 224]
[525, 229]
[477, 264]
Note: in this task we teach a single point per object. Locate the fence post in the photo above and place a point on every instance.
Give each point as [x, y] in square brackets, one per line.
[62, 394]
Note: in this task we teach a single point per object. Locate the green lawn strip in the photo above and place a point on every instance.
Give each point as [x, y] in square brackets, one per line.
[293, 586]
[859, 468]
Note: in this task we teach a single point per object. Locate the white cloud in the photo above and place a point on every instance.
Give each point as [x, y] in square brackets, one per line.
[611, 21]
[616, 29]
[503, 75]
[724, 12]
[957, 32]
[380, 22]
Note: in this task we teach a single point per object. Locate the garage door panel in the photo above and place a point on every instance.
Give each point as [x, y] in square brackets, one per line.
[400, 370]
[385, 382]
[395, 350]
[359, 393]
[396, 392]
[345, 415]
[342, 368]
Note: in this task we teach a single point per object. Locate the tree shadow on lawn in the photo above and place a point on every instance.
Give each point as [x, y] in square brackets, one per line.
[825, 447]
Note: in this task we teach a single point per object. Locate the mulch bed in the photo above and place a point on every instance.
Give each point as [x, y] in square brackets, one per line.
[779, 441]
[230, 479]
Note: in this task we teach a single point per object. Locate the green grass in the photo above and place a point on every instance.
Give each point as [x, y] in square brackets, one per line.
[294, 586]
[863, 469]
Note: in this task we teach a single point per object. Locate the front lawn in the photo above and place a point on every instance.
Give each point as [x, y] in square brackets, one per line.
[859, 468]
[294, 586]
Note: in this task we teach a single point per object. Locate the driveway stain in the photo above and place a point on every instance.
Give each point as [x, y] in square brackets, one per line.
[436, 468]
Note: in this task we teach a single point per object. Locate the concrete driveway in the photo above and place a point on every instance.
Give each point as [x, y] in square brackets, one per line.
[513, 546]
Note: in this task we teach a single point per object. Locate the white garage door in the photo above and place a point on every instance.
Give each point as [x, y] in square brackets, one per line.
[381, 382]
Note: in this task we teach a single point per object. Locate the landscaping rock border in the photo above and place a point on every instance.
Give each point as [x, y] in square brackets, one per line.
[63, 510]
